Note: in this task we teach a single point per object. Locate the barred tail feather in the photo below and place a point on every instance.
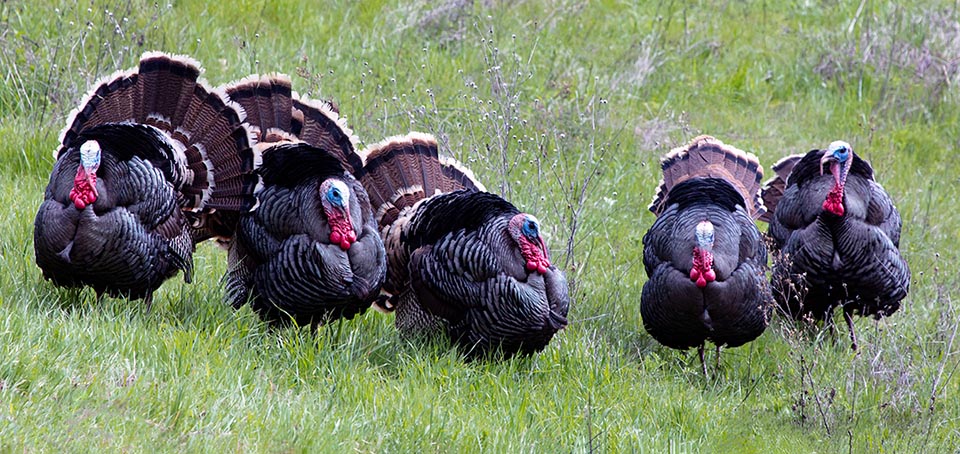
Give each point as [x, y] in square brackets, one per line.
[267, 101]
[319, 123]
[400, 171]
[706, 156]
[410, 161]
[167, 83]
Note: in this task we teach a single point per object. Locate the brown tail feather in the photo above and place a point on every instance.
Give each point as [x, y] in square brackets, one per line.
[706, 156]
[402, 170]
[167, 85]
[773, 189]
[267, 100]
[319, 123]
[272, 106]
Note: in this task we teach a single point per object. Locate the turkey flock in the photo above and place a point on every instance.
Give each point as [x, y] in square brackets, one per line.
[154, 160]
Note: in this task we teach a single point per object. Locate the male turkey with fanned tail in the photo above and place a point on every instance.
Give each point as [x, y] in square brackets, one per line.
[146, 160]
[462, 262]
[703, 255]
[311, 252]
[836, 236]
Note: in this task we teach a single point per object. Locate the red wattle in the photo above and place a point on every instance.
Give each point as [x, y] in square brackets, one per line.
[702, 271]
[834, 201]
[710, 275]
[534, 255]
[84, 191]
[341, 231]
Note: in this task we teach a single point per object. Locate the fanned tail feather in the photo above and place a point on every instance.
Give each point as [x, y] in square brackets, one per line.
[278, 114]
[211, 142]
[319, 123]
[706, 156]
[773, 189]
[402, 170]
[268, 102]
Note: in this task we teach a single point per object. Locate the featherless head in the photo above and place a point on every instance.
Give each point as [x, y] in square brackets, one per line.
[335, 199]
[838, 156]
[336, 193]
[840, 149]
[705, 234]
[525, 230]
[530, 228]
[90, 155]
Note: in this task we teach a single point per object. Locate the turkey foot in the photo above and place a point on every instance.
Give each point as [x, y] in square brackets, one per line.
[848, 316]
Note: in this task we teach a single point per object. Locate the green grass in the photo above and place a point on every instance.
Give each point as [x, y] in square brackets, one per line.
[565, 107]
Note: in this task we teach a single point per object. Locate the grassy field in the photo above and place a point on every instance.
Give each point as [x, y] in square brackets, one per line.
[562, 106]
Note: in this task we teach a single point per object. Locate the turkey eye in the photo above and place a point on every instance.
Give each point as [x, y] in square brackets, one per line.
[530, 230]
[334, 196]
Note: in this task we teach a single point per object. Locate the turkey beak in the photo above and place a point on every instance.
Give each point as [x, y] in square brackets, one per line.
[543, 247]
[91, 178]
[835, 166]
[827, 157]
[351, 232]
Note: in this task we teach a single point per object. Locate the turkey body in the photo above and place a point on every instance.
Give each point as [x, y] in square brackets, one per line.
[310, 253]
[729, 311]
[462, 263]
[148, 157]
[704, 256]
[470, 279]
[826, 260]
[284, 258]
[126, 243]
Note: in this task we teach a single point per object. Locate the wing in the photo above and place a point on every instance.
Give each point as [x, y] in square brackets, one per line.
[882, 213]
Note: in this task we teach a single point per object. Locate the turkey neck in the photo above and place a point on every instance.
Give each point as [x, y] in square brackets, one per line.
[834, 202]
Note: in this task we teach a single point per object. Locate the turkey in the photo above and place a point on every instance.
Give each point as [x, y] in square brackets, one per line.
[311, 251]
[703, 255]
[835, 236]
[461, 261]
[146, 160]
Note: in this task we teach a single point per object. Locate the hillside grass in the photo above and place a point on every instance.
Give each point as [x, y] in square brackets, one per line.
[564, 107]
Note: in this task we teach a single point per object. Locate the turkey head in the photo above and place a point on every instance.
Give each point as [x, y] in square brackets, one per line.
[837, 157]
[335, 199]
[525, 230]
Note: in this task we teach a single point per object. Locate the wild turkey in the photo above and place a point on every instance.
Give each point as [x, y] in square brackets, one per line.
[148, 157]
[311, 251]
[703, 255]
[461, 261]
[836, 235]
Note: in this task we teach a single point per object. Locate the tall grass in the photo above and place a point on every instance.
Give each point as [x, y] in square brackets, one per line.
[564, 107]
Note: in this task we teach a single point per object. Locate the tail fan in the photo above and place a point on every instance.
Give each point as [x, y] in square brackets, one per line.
[706, 156]
[281, 115]
[402, 170]
[207, 131]
[773, 189]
